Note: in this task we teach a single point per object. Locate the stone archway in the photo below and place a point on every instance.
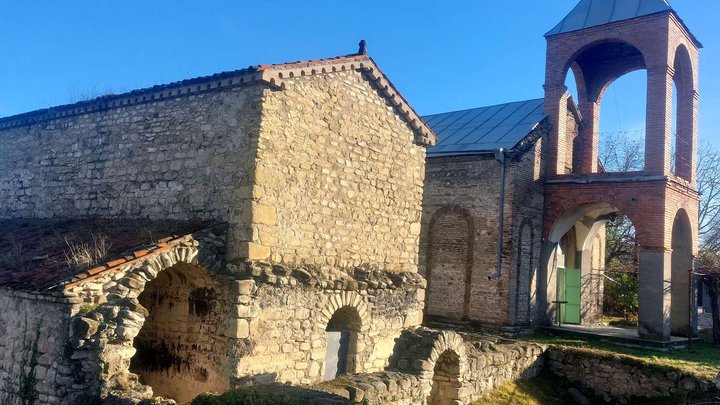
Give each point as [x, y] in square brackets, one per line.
[423, 352]
[103, 339]
[345, 319]
[446, 383]
[342, 343]
[180, 352]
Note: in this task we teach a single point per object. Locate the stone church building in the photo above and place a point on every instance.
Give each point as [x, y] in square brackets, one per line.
[253, 218]
[468, 283]
[295, 222]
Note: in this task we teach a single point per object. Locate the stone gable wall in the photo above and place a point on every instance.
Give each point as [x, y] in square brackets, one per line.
[339, 179]
[184, 157]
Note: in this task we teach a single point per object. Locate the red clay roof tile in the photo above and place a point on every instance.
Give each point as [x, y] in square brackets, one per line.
[35, 250]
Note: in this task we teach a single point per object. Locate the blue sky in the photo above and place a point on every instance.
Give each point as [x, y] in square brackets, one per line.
[442, 56]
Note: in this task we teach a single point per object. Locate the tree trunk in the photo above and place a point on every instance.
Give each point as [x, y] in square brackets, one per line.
[712, 282]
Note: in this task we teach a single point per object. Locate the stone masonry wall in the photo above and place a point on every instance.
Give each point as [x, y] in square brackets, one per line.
[339, 179]
[285, 312]
[476, 368]
[183, 157]
[181, 321]
[33, 331]
[620, 379]
[459, 231]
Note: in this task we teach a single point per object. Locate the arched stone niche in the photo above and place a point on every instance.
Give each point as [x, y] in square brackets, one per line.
[346, 320]
[161, 331]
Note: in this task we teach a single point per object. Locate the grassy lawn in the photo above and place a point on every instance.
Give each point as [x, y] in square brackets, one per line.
[538, 391]
[546, 390]
[702, 359]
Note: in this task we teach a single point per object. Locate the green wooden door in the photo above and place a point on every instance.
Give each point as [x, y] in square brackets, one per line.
[570, 291]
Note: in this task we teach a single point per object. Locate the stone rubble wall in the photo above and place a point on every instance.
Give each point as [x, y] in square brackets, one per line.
[257, 322]
[182, 157]
[283, 313]
[620, 379]
[33, 333]
[383, 387]
[484, 366]
[339, 179]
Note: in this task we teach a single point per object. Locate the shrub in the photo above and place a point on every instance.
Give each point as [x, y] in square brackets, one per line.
[621, 295]
[83, 254]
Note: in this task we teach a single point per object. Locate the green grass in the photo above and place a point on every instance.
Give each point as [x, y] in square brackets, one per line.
[550, 390]
[702, 359]
[619, 321]
[538, 391]
[272, 394]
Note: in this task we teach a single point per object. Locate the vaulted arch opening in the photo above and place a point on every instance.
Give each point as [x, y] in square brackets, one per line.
[446, 382]
[610, 82]
[622, 120]
[685, 109]
[681, 316]
[341, 353]
[180, 349]
[590, 242]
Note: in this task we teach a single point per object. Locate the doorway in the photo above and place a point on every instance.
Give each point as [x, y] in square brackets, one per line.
[569, 291]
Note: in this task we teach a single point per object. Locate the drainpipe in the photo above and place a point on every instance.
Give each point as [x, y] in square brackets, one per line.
[500, 155]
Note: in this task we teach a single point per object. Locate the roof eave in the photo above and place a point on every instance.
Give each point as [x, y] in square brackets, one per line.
[274, 75]
[697, 43]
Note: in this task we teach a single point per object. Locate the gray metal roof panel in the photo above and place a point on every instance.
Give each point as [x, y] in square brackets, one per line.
[484, 129]
[592, 13]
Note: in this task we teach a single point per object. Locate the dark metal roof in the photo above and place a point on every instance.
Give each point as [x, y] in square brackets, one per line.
[591, 13]
[484, 129]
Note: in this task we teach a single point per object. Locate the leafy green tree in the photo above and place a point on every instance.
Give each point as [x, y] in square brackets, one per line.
[621, 295]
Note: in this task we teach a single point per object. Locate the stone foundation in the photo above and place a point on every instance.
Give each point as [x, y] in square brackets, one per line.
[430, 366]
[620, 379]
[285, 313]
[181, 322]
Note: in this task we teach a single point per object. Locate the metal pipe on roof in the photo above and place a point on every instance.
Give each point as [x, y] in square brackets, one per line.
[500, 155]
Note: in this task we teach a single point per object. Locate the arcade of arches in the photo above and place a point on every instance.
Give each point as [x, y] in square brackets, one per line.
[662, 203]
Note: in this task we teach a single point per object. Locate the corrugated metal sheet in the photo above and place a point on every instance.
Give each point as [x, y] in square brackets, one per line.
[484, 129]
[591, 13]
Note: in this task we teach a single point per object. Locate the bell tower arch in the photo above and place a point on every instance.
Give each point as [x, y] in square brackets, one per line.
[599, 42]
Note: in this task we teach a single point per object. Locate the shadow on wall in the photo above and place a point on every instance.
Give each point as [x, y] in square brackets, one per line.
[446, 380]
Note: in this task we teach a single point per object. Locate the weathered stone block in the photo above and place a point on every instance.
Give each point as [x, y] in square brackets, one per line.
[238, 329]
[254, 251]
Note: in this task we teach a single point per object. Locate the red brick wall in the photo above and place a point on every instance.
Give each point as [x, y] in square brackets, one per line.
[460, 210]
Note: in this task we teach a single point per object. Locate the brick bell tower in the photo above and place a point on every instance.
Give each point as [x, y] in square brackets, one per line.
[598, 42]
